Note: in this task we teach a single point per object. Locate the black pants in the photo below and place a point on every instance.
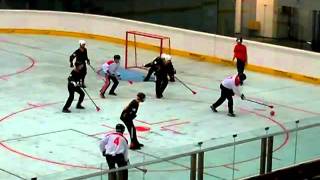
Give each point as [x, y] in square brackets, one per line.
[115, 83]
[225, 94]
[161, 84]
[150, 71]
[171, 76]
[131, 129]
[240, 66]
[83, 72]
[120, 161]
[72, 89]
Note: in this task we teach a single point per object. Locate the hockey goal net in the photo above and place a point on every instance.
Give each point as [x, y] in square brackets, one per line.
[142, 48]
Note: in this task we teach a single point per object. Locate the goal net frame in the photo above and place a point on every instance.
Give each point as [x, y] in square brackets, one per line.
[158, 46]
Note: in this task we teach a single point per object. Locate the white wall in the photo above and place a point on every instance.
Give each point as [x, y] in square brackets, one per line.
[265, 10]
[280, 58]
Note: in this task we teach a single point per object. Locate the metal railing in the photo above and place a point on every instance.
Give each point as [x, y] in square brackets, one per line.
[197, 156]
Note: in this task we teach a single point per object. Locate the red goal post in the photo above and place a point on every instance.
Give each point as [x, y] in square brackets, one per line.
[142, 47]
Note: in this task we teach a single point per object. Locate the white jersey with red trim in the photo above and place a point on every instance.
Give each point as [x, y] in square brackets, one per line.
[230, 83]
[113, 144]
[110, 67]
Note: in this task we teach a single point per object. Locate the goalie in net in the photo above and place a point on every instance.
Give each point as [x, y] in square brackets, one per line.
[153, 67]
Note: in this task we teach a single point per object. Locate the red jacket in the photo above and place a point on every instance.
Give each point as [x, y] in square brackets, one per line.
[240, 52]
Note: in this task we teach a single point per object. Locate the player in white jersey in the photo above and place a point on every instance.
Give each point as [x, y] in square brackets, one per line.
[229, 87]
[110, 69]
[115, 149]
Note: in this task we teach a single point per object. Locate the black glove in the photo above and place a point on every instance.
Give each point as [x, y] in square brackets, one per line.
[104, 153]
[243, 97]
[88, 62]
[71, 65]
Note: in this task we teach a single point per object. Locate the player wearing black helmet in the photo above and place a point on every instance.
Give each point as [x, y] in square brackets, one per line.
[74, 80]
[127, 116]
[114, 148]
[229, 87]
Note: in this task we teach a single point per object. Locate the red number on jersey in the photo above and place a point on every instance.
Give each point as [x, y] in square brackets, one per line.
[117, 141]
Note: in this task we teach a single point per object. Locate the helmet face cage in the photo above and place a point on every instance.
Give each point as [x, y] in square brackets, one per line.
[141, 96]
[166, 57]
[239, 40]
[120, 128]
[242, 77]
[116, 57]
[82, 42]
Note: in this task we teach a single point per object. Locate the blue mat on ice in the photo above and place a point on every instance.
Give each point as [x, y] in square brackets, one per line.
[131, 74]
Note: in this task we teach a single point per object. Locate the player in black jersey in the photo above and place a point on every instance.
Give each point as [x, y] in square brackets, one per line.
[161, 74]
[74, 86]
[81, 56]
[127, 116]
[152, 67]
[171, 70]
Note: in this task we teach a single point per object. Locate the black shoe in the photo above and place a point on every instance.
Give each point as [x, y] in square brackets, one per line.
[112, 93]
[79, 107]
[66, 111]
[159, 96]
[172, 80]
[140, 145]
[231, 114]
[145, 80]
[213, 109]
[83, 86]
[102, 96]
[134, 146]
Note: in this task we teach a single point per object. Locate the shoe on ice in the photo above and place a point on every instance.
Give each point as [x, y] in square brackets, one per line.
[159, 96]
[213, 109]
[231, 115]
[79, 107]
[134, 146]
[66, 111]
[112, 93]
[141, 145]
[102, 96]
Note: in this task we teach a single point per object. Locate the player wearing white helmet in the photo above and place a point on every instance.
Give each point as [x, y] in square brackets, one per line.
[170, 68]
[152, 67]
[160, 59]
[81, 57]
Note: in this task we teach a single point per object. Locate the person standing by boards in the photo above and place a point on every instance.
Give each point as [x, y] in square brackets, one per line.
[240, 52]
[81, 56]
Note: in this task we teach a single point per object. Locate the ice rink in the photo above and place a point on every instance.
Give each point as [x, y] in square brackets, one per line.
[38, 140]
